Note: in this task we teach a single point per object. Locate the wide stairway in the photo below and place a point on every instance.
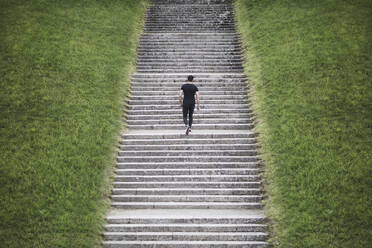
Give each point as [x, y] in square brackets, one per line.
[201, 190]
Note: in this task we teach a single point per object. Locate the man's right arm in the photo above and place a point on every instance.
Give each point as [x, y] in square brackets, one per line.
[180, 97]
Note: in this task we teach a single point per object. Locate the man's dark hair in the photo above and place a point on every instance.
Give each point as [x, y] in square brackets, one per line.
[190, 78]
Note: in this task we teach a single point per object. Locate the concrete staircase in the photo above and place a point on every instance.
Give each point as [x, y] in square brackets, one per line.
[201, 190]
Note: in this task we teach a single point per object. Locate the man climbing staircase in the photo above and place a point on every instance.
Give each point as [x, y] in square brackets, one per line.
[201, 190]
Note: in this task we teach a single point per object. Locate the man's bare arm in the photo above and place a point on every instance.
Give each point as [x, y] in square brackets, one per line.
[197, 100]
[180, 97]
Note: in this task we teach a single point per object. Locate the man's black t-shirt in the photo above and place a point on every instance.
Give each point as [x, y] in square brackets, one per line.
[189, 91]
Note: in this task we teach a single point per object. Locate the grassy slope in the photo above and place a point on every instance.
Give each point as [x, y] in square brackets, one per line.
[64, 72]
[310, 63]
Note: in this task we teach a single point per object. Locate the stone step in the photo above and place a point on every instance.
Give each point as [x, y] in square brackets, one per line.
[174, 103]
[200, 82]
[186, 191]
[188, 61]
[231, 142]
[158, 84]
[188, 47]
[198, 123]
[173, 99]
[206, 30]
[199, 218]
[205, 112]
[198, 24]
[186, 153]
[190, 53]
[189, 19]
[183, 76]
[153, 42]
[185, 19]
[186, 236]
[187, 178]
[216, 91]
[168, 101]
[185, 55]
[188, 144]
[151, 87]
[189, 70]
[247, 134]
[156, 159]
[180, 8]
[189, 37]
[186, 205]
[181, 49]
[188, 41]
[185, 227]
[195, 25]
[206, 126]
[211, 13]
[185, 184]
[188, 29]
[199, 119]
[189, 165]
[171, 95]
[208, 20]
[173, 91]
[189, 244]
[207, 65]
[194, 2]
[177, 107]
[183, 172]
[177, 115]
[210, 16]
[187, 198]
[217, 63]
[190, 66]
[191, 44]
[166, 14]
[196, 116]
[147, 77]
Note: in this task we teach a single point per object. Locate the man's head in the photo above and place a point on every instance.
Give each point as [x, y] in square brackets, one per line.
[190, 78]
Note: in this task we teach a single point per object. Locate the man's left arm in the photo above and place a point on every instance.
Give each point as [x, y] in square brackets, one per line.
[197, 100]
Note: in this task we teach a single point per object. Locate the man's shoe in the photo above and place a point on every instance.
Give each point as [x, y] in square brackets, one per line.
[188, 130]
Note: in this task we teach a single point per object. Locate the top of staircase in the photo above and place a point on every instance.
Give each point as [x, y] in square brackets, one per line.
[191, 1]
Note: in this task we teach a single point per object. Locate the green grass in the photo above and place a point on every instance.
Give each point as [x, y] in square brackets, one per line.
[310, 66]
[64, 72]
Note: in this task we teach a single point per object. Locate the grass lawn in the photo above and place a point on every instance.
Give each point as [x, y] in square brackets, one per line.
[310, 66]
[64, 72]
